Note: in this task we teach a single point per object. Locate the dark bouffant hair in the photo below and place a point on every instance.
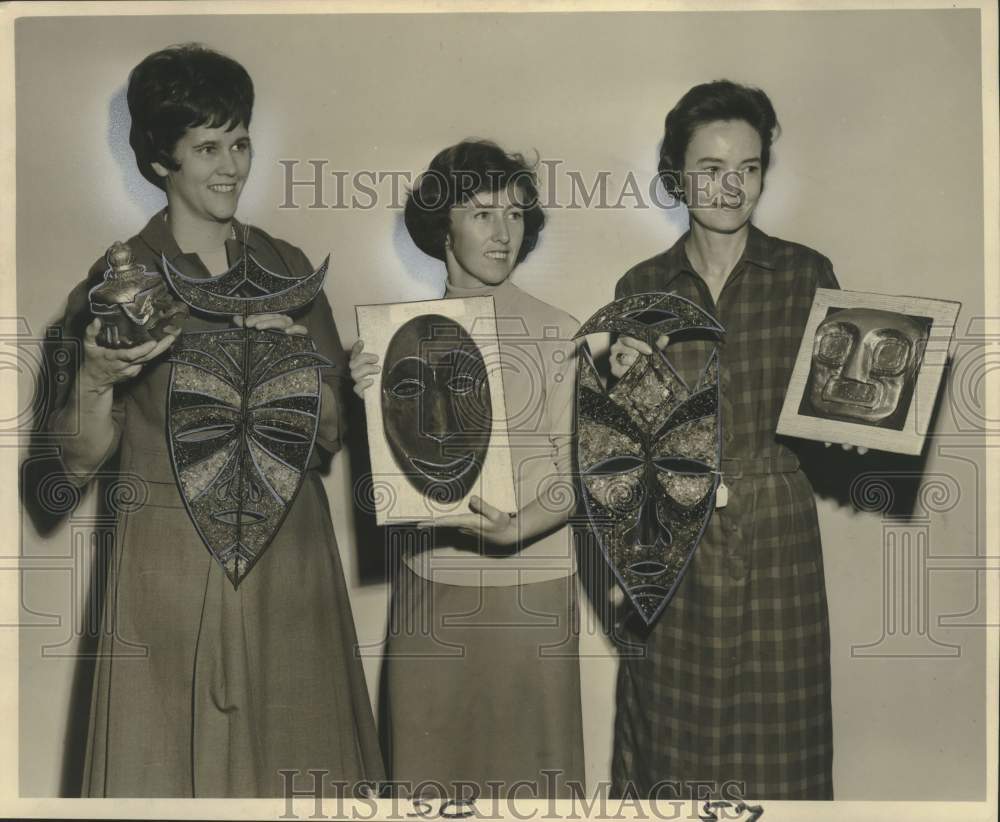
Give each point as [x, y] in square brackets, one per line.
[456, 174]
[179, 88]
[707, 103]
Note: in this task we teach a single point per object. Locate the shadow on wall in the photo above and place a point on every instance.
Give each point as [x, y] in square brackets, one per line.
[835, 473]
[143, 194]
[421, 267]
[49, 500]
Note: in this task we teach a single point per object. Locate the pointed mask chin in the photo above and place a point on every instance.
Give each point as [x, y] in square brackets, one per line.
[436, 406]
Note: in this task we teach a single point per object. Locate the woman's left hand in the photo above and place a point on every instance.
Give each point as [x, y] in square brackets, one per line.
[271, 322]
[490, 523]
[847, 447]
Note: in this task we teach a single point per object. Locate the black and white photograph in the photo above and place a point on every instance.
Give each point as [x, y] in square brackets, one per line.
[500, 410]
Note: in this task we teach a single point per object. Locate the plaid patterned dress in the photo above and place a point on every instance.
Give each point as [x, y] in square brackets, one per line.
[731, 687]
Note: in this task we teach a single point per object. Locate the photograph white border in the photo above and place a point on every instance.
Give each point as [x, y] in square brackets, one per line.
[304, 807]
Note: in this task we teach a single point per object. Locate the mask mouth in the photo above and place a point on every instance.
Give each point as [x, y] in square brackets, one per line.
[238, 516]
[851, 392]
[445, 471]
[647, 567]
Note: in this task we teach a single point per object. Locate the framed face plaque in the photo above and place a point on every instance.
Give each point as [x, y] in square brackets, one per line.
[868, 370]
[436, 415]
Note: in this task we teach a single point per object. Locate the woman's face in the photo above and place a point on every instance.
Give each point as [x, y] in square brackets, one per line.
[214, 165]
[722, 174]
[484, 238]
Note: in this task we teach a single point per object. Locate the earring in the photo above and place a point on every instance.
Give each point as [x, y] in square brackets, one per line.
[447, 241]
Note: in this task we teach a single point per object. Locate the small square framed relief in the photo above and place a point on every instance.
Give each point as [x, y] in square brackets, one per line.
[868, 370]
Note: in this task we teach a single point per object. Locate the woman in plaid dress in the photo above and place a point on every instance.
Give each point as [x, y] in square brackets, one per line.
[728, 694]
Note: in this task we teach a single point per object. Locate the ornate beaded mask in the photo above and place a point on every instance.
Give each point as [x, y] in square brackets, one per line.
[865, 365]
[648, 450]
[436, 405]
[242, 410]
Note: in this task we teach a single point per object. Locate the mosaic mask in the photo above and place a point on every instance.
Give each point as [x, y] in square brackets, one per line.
[648, 450]
[134, 305]
[865, 365]
[242, 411]
[436, 406]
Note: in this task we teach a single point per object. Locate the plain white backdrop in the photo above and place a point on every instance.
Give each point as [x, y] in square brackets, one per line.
[879, 167]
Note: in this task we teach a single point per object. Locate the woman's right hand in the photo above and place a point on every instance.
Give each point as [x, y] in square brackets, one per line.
[626, 350]
[104, 367]
[363, 368]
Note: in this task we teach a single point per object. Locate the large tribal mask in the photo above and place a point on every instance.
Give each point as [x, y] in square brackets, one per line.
[243, 410]
[436, 405]
[648, 450]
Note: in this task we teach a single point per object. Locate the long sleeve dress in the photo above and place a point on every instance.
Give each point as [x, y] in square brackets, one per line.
[731, 687]
[201, 690]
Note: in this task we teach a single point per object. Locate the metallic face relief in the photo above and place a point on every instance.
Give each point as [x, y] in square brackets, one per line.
[864, 367]
[648, 451]
[242, 410]
[436, 406]
[134, 306]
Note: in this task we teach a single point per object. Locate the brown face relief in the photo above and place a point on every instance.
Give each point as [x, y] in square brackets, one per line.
[437, 408]
[864, 367]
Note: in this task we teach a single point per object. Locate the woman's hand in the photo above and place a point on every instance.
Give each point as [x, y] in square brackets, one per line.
[486, 521]
[626, 350]
[104, 367]
[847, 447]
[271, 322]
[363, 368]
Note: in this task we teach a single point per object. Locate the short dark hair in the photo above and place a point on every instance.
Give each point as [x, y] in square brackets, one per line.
[178, 88]
[456, 174]
[708, 103]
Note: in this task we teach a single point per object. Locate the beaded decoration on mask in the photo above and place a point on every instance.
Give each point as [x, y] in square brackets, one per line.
[648, 450]
[243, 410]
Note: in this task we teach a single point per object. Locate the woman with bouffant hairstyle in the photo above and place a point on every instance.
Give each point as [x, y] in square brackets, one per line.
[203, 688]
[481, 672]
[731, 692]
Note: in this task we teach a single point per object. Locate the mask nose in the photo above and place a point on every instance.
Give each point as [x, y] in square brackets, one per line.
[437, 420]
[648, 531]
[854, 368]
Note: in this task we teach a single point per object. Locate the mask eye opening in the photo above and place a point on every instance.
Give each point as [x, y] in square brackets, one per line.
[407, 388]
[834, 346]
[890, 357]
